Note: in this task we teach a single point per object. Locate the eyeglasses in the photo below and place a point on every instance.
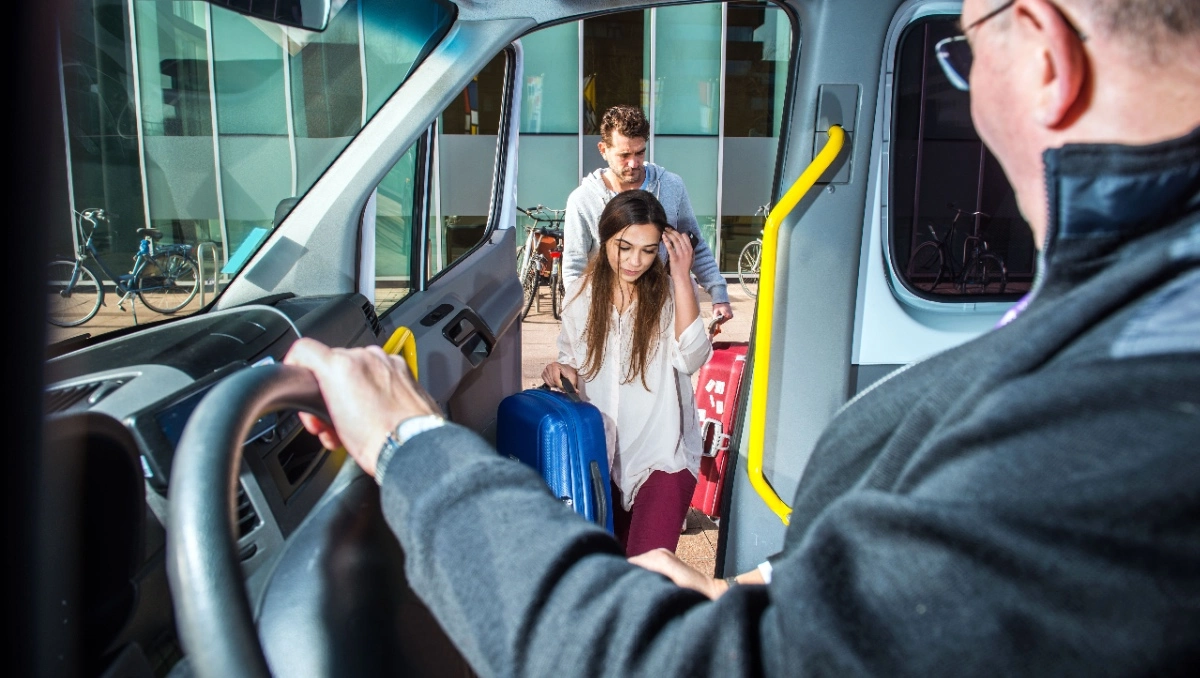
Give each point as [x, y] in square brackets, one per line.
[954, 53]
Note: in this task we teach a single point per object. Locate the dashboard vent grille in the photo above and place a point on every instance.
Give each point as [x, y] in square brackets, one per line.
[63, 399]
[247, 519]
[369, 311]
[299, 456]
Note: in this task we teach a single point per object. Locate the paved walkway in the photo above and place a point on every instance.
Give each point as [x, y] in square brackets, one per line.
[111, 317]
[698, 543]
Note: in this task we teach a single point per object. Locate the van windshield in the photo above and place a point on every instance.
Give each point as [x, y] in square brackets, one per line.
[207, 126]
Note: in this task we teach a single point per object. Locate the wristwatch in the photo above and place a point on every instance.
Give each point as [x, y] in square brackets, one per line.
[403, 432]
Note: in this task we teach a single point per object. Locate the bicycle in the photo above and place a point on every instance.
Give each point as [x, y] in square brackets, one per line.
[979, 268]
[750, 259]
[163, 277]
[539, 260]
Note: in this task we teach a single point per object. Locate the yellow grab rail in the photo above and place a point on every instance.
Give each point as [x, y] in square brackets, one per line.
[403, 343]
[766, 316]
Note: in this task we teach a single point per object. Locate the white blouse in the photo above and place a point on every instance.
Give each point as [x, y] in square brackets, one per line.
[646, 431]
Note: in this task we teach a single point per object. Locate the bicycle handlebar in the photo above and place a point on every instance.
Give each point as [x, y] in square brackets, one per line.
[93, 213]
[538, 213]
[958, 212]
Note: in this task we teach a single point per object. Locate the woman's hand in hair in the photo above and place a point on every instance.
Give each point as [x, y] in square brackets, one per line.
[679, 253]
[679, 249]
[554, 372]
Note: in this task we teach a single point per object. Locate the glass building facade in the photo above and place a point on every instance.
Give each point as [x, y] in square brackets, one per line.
[203, 123]
[719, 74]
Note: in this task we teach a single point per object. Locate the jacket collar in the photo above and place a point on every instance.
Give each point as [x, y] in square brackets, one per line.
[1101, 196]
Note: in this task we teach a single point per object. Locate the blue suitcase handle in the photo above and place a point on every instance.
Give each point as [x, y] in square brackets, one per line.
[567, 389]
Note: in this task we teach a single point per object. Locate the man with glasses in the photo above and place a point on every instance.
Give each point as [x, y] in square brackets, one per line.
[1026, 504]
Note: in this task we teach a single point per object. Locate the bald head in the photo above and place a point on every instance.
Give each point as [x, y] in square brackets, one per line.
[1150, 32]
[1143, 21]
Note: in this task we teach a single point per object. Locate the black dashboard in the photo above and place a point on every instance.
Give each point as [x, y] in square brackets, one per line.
[130, 398]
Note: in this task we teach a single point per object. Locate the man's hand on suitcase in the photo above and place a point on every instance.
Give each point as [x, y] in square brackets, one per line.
[367, 393]
[554, 372]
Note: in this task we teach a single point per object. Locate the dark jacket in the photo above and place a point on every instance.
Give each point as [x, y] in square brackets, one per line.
[1026, 503]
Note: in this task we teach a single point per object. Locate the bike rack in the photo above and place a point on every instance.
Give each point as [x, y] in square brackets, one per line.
[211, 247]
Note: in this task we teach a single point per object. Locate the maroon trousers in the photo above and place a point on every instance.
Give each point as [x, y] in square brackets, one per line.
[657, 515]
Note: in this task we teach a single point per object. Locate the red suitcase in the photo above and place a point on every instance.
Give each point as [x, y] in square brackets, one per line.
[716, 402]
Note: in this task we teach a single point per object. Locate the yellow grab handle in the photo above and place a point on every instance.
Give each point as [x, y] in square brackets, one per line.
[766, 317]
[403, 343]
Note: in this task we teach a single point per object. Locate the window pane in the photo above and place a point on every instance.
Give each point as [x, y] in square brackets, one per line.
[393, 232]
[466, 155]
[615, 66]
[550, 97]
[172, 42]
[757, 48]
[941, 169]
[101, 128]
[758, 45]
[694, 159]
[256, 156]
[549, 170]
[688, 70]
[327, 95]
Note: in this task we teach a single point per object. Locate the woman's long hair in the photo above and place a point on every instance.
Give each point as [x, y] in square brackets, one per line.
[652, 289]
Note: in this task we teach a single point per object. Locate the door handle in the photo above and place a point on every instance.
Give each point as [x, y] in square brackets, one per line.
[470, 333]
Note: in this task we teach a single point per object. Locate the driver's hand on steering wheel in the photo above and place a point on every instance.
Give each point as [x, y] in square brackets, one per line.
[367, 393]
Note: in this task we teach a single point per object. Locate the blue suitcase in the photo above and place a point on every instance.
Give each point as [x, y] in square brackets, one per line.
[562, 438]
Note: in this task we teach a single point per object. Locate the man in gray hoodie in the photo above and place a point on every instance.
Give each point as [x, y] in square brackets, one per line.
[624, 131]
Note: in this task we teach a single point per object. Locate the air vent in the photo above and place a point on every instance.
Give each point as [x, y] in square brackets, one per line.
[372, 319]
[63, 399]
[247, 519]
[298, 457]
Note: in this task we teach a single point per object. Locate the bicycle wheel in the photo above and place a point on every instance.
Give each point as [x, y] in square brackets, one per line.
[167, 283]
[749, 263]
[926, 261]
[520, 258]
[75, 293]
[557, 294]
[985, 274]
[529, 283]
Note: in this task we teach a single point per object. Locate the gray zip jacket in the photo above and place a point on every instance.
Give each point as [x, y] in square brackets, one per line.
[581, 234]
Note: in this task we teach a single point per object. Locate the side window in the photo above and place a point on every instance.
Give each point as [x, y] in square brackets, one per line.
[464, 158]
[455, 174]
[395, 213]
[956, 232]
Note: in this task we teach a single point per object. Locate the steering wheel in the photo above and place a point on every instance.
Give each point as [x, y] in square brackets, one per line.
[212, 610]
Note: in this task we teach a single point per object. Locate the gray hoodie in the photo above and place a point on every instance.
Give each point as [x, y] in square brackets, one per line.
[581, 235]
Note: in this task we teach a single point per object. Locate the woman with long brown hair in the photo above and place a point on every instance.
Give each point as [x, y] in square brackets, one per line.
[631, 338]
